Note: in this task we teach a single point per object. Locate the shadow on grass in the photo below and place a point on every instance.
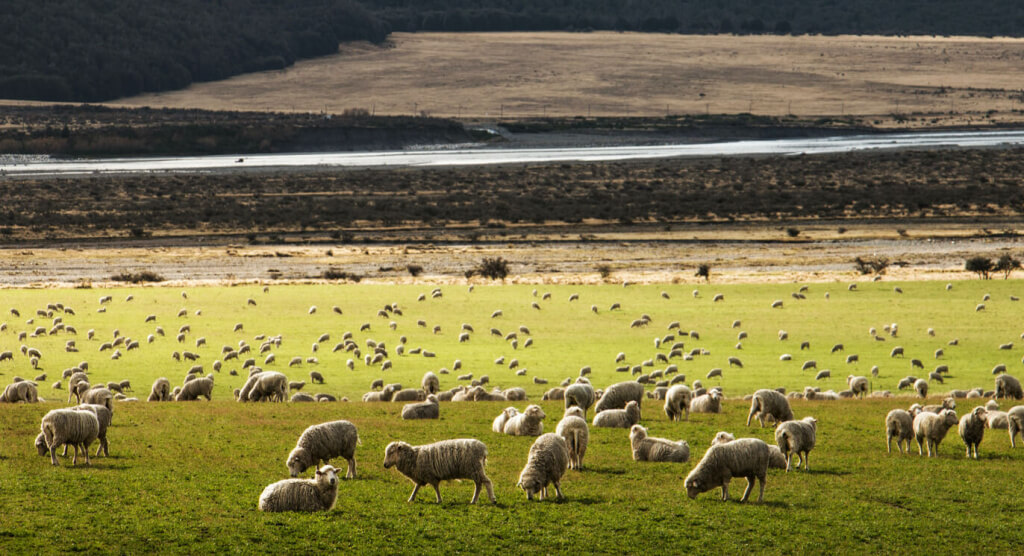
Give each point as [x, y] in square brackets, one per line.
[604, 470]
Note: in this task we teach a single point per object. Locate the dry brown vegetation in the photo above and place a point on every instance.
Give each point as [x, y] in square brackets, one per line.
[922, 80]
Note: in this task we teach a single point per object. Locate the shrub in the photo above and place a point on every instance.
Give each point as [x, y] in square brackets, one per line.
[704, 271]
[495, 269]
[982, 266]
[137, 277]
[1006, 264]
[335, 274]
[792, 232]
[604, 270]
[414, 270]
[868, 266]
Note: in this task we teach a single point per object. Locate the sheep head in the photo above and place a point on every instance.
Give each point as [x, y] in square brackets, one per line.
[395, 452]
[327, 474]
[637, 432]
[298, 461]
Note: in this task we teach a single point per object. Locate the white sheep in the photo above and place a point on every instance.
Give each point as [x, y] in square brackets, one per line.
[899, 424]
[797, 437]
[1015, 423]
[932, 428]
[580, 394]
[429, 409]
[1007, 386]
[707, 403]
[67, 426]
[648, 448]
[546, 463]
[619, 418]
[677, 402]
[921, 387]
[498, 425]
[103, 415]
[744, 457]
[769, 403]
[324, 442]
[972, 429]
[527, 423]
[302, 495]
[573, 428]
[430, 464]
[858, 385]
[430, 383]
[193, 389]
[617, 395]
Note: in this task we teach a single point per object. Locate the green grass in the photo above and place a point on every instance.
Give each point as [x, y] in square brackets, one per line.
[185, 477]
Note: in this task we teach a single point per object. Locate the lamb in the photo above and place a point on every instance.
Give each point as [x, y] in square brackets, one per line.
[1007, 386]
[972, 429]
[648, 448]
[161, 390]
[858, 385]
[707, 403]
[619, 418]
[195, 388]
[797, 437]
[899, 424]
[430, 383]
[677, 402]
[103, 415]
[430, 464]
[428, 409]
[302, 495]
[745, 457]
[617, 395]
[1015, 423]
[527, 423]
[580, 395]
[546, 463]
[67, 426]
[573, 428]
[324, 442]
[932, 428]
[769, 403]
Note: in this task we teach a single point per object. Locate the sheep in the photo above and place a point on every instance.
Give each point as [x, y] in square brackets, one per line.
[858, 385]
[972, 429]
[797, 437]
[823, 374]
[67, 426]
[21, 391]
[677, 402]
[324, 442]
[573, 428]
[103, 415]
[554, 394]
[429, 409]
[906, 382]
[195, 388]
[1015, 423]
[580, 395]
[947, 403]
[409, 395]
[769, 403]
[302, 495]
[315, 377]
[265, 385]
[744, 457]
[430, 464]
[707, 403]
[527, 423]
[498, 425]
[99, 395]
[899, 424]
[161, 390]
[618, 395]
[921, 387]
[646, 448]
[932, 428]
[619, 418]
[1007, 386]
[545, 464]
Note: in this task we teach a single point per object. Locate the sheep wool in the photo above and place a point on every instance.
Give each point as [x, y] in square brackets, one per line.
[527, 423]
[618, 395]
[649, 448]
[797, 437]
[409, 395]
[769, 403]
[619, 418]
[744, 457]
[429, 409]
[103, 415]
[573, 429]
[302, 495]
[430, 464]
[430, 383]
[67, 426]
[1007, 386]
[324, 442]
[161, 390]
[545, 464]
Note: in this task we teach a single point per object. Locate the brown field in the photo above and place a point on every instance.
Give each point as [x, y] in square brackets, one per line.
[943, 81]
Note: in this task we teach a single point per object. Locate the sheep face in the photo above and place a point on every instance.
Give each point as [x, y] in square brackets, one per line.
[395, 452]
[722, 438]
[536, 412]
[41, 445]
[695, 487]
[637, 432]
[298, 461]
[327, 474]
[531, 486]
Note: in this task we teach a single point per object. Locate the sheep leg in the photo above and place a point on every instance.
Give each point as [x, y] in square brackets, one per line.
[558, 490]
[920, 447]
[888, 444]
[65, 452]
[351, 469]
[85, 452]
[760, 495]
[750, 488]
[806, 461]
[490, 489]
[437, 491]
[74, 460]
[53, 454]
[789, 461]
[415, 489]
[725, 490]
[750, 415]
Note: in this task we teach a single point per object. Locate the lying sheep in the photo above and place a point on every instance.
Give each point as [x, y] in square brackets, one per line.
[546, 463]
[430, 464]
[647, 448]
[899, 424]
[556, 393]
[409, 395]
[527, 423]
[302, 495]
[707, 403]
[67, 426]
[797, 437]
[972, 429]
[302, 397]
[618, 395]
[580, 395]
[193, 389]
[429, 409]
[498, 425]
[1015, 423]
[619, 418]
[677, 402]
[745, 457]
[324, 442]
[932, 428]
[769, 403]
[1007, 386]
[573, 428]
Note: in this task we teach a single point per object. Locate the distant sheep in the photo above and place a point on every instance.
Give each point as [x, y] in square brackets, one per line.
[573, 428]
[921, 387]
[744, 457]
[546, 463]
[769, 403]
[430, 383]
[302, 495]
[1007, 386]
[21, 391]
[315, 377]
[161, 390]
[498, 425]
[619, 418]
[432, 463]
[858, 385]
[797, 437]
[931, 428]
[647, 448]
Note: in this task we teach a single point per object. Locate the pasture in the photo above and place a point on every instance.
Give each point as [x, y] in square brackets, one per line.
[184, 477]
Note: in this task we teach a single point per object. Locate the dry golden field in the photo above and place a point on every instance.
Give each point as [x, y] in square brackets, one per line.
[512, 75]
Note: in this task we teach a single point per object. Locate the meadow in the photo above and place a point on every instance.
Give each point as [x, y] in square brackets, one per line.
[184, 477]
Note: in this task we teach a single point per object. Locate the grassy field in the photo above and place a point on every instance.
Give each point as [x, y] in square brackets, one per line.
[185, 477]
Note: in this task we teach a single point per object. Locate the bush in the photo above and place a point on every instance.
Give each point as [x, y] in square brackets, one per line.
[604, 270]
[414, 270]
[495, 269]
[704, 271]
[982, 266]
[335, 274]
[138, 277]
[792, 232]
[1006, 264]
[868, 266]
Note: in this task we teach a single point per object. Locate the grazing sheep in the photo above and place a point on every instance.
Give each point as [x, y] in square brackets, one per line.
[972, 429]
[1015, 423]
[899, 424]
[823, 374]
[67, 426]
[797, 437]
[858, 385]
[554, 394]
[527, 423]
[646, 448]
[619, 418]
[906, 382]
[430, 464]
[161, 390]
[546, 463]
[769, 403]
[677, 402]
[707, 403]
[99, 395]
[932, 428]
[265, 386]
[580, 395]
[618, 395]
[1007, 386]
[324, 442]
[103, 415]
[853, 358]
[430, 383]
[921, 387]
[429, 409]
[302, 495]
[744, 457]
[315, 377]
[573, 428]
[22, 391]
[193, 389]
